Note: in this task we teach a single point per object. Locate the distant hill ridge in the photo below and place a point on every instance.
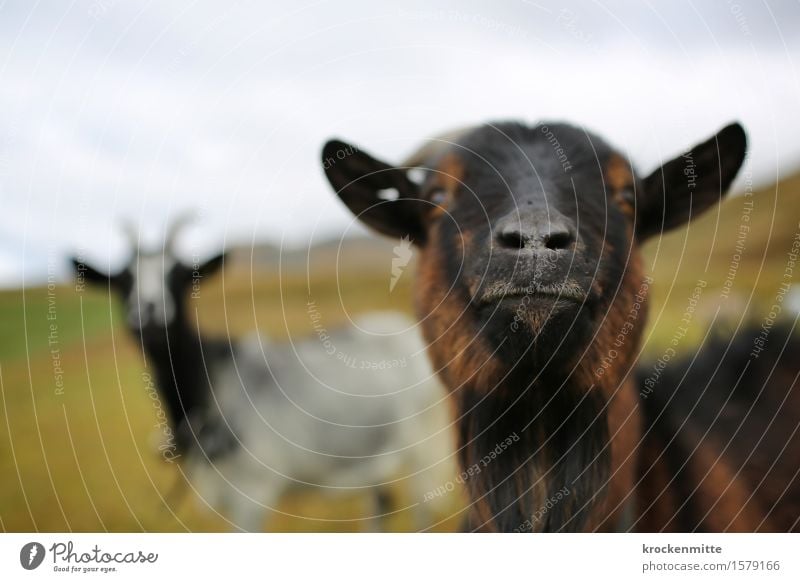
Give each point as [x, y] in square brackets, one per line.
[344, 253]
[746, 228]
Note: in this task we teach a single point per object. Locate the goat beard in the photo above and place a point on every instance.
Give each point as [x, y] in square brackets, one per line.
[529, 384]
[539, 337]
[552, 475]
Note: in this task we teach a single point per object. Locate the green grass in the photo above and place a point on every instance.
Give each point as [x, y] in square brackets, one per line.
[27, 318]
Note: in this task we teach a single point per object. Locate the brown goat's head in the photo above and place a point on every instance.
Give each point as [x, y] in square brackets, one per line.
[529, 262]
[526, 233]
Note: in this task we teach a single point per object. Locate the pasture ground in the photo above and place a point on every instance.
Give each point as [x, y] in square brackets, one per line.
[76, 423]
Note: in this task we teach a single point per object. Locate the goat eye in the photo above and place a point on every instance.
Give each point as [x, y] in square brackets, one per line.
[438, 197]
[626, 196]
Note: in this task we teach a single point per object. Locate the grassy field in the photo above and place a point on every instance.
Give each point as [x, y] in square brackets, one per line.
[76, 445]
[76, 450]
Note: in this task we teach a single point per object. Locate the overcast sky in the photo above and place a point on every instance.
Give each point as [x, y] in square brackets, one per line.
[120, 109]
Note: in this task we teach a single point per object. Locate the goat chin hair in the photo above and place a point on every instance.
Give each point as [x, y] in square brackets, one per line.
[535, 461]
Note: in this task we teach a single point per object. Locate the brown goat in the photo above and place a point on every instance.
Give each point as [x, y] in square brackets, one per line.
[529, 270]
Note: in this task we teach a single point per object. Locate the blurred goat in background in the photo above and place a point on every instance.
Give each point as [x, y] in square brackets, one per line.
[252, 419]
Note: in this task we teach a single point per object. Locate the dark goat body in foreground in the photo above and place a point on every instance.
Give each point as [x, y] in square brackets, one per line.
[528, 242]
[721, 444]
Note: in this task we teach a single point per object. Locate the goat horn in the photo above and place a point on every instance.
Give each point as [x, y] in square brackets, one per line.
[175, 228]
[131, 233]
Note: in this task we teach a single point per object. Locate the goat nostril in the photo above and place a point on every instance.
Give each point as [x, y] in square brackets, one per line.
[511, 240]
[558, 240]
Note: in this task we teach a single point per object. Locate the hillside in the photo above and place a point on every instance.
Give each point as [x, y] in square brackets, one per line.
[739, 250]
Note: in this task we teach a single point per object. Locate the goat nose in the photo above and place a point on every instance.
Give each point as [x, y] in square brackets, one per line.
[147, 313]
[518, 234]
[558, 238]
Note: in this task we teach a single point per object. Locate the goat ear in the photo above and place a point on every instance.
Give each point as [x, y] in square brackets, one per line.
[89, 274]
[212, 265]
[364, 184]
[690, 184]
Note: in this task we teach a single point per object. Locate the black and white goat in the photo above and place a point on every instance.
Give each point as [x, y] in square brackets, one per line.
[348, 410]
